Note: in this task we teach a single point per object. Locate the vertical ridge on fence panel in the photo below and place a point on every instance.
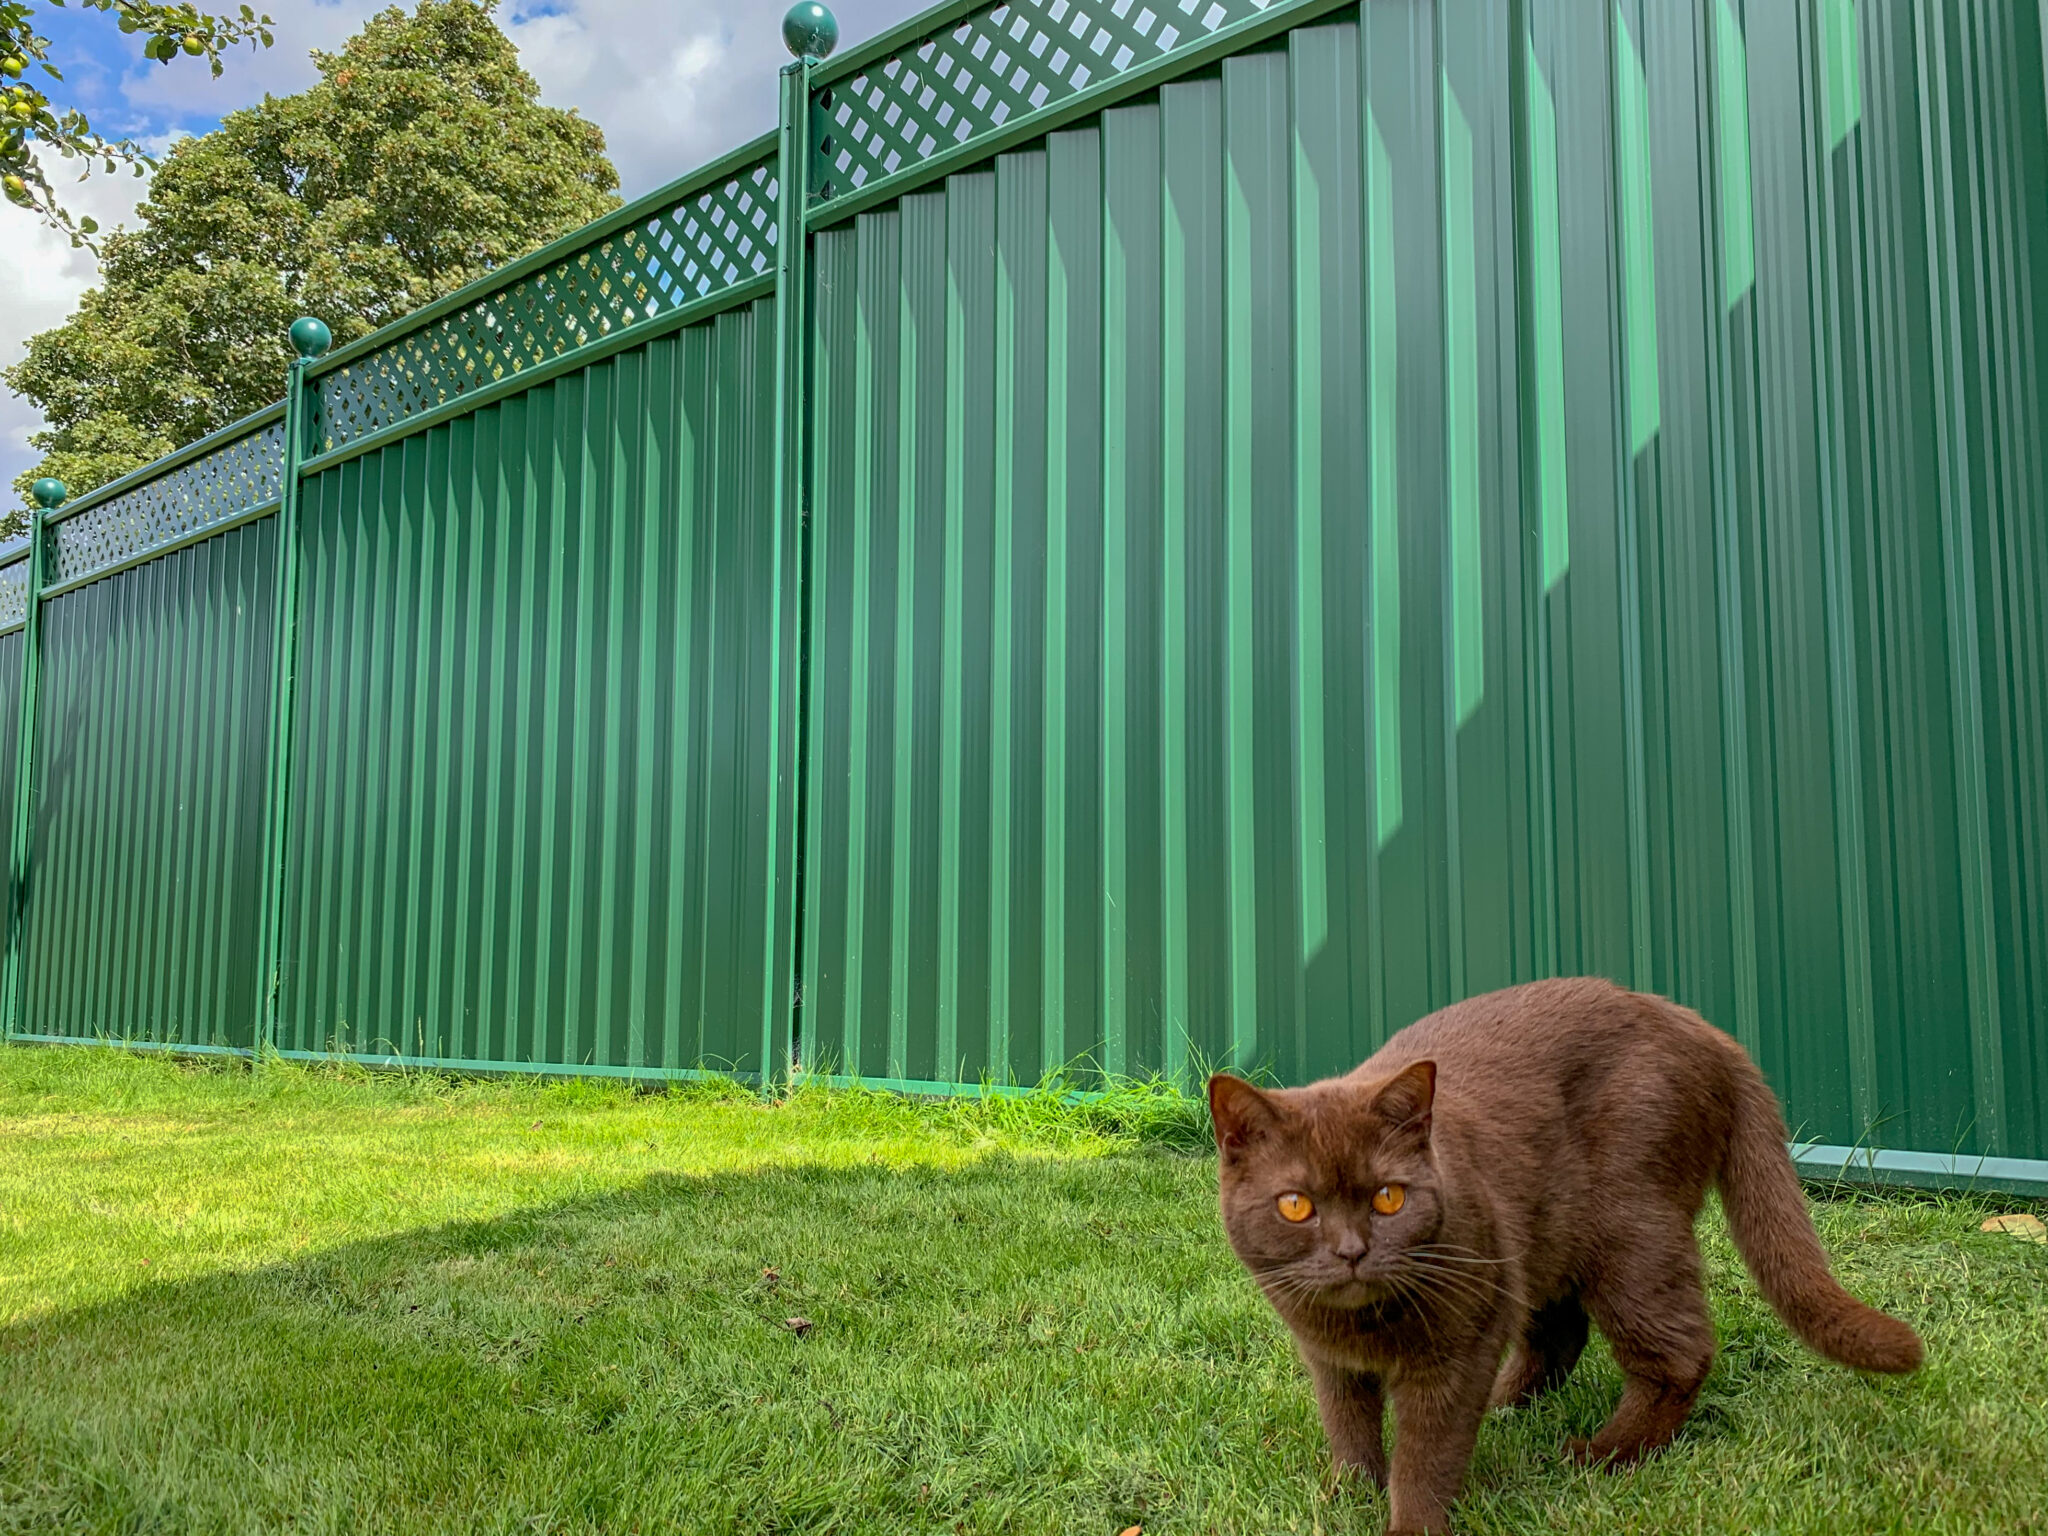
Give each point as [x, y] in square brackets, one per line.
[920, 655]
[146, 852]
[1573, 63]
[1260, 566]
[12, 646]
[1498, 870]
[531, 821]
[1075, 615]
[1192, 555]
[1414, 727]
[1135, 1025]
[1687, 908]
[1338, 1003]
[1023, 458]
[1807, 988]
[1874, 218]
[828, 908]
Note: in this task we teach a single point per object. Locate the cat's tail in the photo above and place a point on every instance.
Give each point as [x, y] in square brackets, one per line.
[1774, 1232]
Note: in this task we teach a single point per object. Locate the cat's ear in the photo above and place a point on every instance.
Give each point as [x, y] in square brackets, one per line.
[1240, 1112]
[1404, 1103]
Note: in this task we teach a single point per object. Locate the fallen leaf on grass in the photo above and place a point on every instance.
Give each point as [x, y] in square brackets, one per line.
[2018, 1224]
[797, 1325]
[1132, 1530]
[771, 1277]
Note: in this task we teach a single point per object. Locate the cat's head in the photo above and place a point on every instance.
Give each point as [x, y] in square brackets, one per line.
[1328, 1191]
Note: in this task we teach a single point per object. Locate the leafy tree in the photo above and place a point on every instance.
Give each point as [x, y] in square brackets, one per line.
[420, 161]
[28, 117]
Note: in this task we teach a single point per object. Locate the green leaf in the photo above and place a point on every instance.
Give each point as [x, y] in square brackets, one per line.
[355, 204]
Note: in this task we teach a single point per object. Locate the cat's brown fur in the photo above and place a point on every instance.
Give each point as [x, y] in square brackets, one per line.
[1556, 1142]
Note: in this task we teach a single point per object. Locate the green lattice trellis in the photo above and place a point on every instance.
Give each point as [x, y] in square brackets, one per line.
[708, 240]
[241, 473]
[990, 67]
[13, 593]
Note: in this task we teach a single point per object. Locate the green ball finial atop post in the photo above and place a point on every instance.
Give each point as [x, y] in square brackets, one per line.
[310, 337]
[810, 31]
[49, 493]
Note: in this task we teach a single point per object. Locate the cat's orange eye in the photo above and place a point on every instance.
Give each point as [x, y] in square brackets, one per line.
[1389, 1198]
[1295, 1206]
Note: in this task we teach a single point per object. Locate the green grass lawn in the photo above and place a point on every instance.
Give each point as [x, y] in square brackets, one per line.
[317, 1300]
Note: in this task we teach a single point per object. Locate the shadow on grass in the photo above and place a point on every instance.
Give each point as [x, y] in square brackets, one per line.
[1010, 1345]
[793, 1348]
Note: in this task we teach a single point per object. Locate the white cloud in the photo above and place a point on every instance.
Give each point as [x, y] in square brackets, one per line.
[670, 84]
[42, 277]
[673, 84]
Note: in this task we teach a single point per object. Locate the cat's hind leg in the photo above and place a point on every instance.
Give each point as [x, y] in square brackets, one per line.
[1550, 1346]
[1649, 1302]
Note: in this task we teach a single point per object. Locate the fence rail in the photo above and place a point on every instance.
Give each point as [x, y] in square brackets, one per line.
[685, 243]
[1178, 530]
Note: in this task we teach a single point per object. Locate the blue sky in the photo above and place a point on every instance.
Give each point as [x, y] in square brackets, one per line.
[97, 60]
[673, 83]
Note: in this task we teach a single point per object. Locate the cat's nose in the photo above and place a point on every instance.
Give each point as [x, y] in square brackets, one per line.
[1351, 1248]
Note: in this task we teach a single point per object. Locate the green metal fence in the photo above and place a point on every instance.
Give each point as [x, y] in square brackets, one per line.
[1134, 535]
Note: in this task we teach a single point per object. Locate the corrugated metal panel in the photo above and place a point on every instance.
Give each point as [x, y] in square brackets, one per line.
[1931, 270]
[537, 700]
[1443, 497]
[146, 854]
[1091, 423]
[1427, 506]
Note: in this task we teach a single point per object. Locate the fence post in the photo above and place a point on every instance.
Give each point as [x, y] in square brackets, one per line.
[49, 495]
[310, 338]
[810, 32]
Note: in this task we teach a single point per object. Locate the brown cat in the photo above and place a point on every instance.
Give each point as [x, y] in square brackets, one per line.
[1495, 1176]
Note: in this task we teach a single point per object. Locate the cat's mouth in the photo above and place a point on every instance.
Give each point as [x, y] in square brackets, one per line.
[1333, 1286]
[1354, 1291]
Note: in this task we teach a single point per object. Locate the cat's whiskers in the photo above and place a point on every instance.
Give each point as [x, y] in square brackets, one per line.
[1455, 1254]
[1453, 1283]
[1285, 1280]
